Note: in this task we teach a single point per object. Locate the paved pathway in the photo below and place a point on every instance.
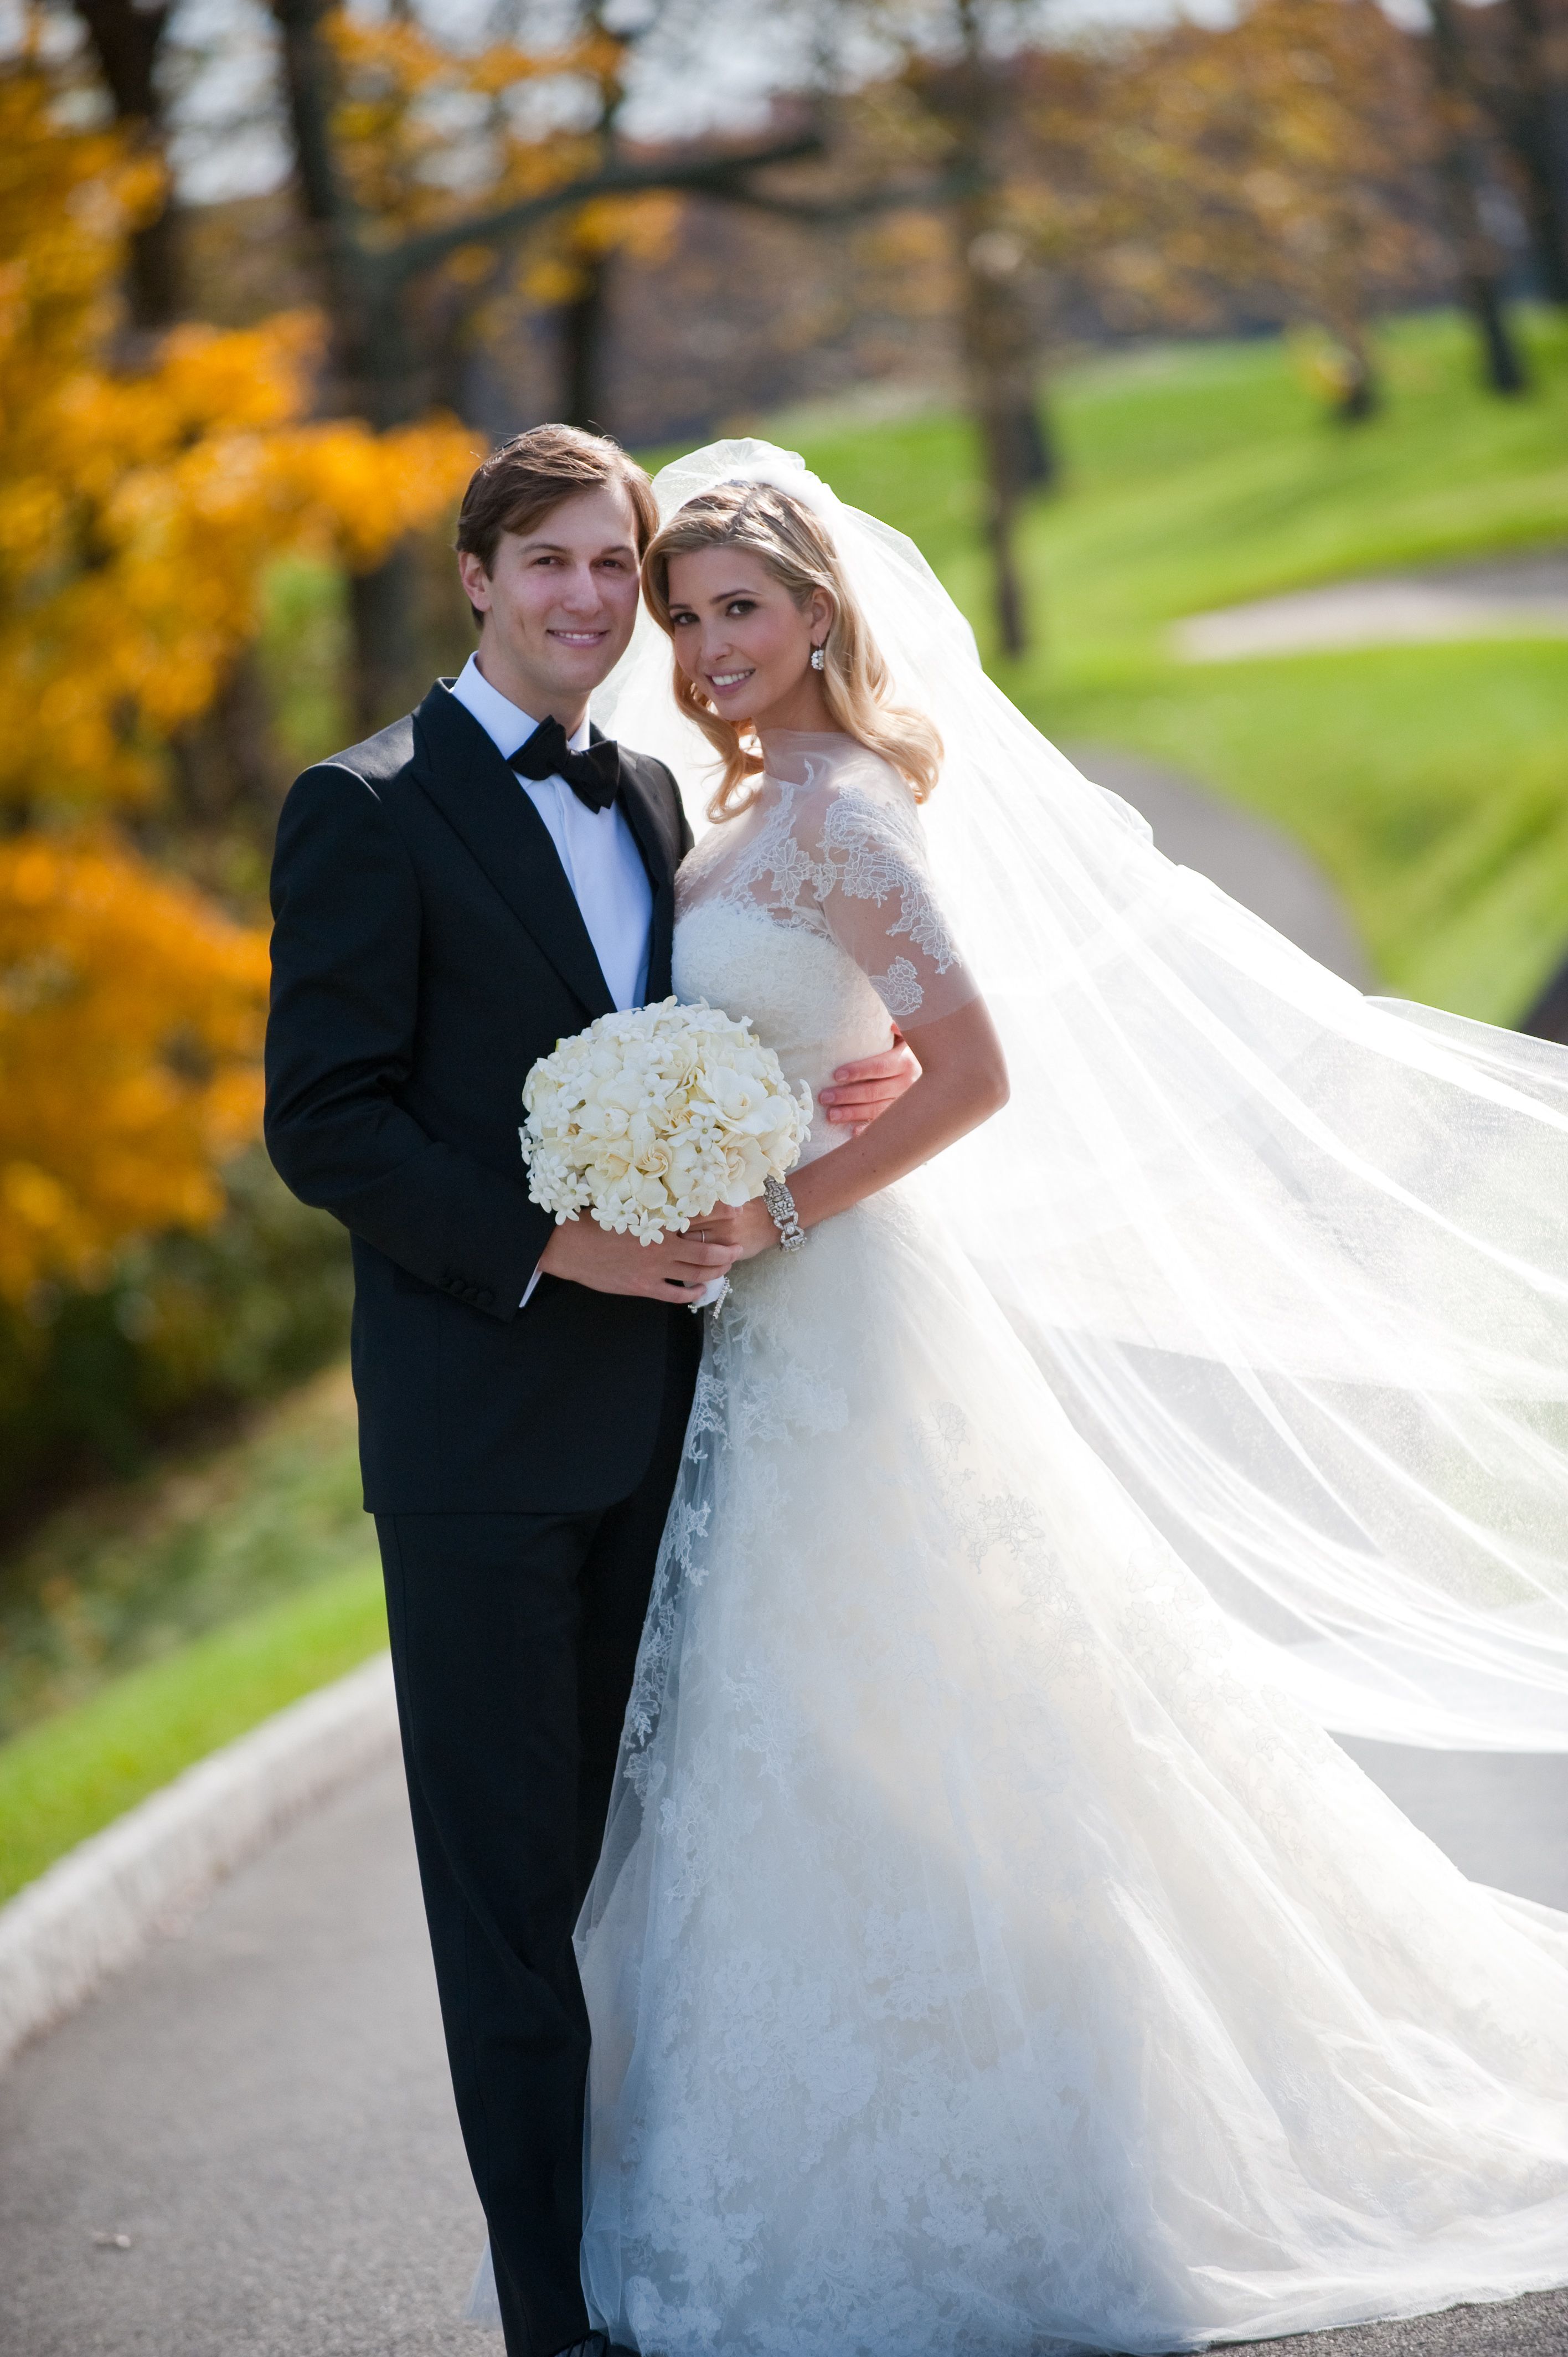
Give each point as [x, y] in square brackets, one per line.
[1524, 595]
[260, 2104]
[245, 2146]
[1254, 862]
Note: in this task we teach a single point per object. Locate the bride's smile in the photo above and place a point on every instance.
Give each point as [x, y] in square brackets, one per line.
[744, 643]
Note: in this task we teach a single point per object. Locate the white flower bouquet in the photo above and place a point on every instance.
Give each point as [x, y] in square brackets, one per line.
[649, 1119]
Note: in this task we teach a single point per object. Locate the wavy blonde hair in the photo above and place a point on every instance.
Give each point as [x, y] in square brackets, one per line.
[793, 544]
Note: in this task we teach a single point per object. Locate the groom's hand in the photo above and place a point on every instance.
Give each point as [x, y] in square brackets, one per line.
[862, 1091]
[677, 1270]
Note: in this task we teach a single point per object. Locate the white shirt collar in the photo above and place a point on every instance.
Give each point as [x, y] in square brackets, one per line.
[504, 722]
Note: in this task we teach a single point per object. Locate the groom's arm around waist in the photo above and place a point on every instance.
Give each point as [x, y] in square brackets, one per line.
[341, 1046]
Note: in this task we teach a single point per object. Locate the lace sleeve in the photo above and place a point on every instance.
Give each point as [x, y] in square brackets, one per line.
[874, 884]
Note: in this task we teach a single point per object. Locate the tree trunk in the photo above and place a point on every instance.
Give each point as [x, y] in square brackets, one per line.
[125, 40]
[228, 770]
[1361, 394]
[585, 325]
[1533, 119]
[994, 328]
[382, 607]
[372, 360]
[1462, 172]
[1502, 354]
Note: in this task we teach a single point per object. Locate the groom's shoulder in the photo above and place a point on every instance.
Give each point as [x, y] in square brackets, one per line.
[375, 762]
[359, 804]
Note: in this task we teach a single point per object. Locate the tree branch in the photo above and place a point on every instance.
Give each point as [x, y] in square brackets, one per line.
[819, 212]
[724, 175]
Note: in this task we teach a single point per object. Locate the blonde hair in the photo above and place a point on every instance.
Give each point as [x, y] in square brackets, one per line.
[792, 543]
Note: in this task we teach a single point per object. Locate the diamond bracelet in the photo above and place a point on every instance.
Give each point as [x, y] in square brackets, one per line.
[786, 1219]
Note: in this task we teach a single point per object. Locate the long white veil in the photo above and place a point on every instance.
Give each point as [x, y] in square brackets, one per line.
[1295, 1261]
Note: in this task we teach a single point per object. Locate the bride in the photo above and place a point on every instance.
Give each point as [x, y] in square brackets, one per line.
[991, 1951]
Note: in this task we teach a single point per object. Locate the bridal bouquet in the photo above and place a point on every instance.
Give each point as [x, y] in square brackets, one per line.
[650, 1118]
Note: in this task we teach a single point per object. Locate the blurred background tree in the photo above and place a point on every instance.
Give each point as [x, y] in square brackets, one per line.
[147, 482]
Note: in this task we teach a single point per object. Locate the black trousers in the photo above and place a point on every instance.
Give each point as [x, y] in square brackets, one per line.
[514, 1638]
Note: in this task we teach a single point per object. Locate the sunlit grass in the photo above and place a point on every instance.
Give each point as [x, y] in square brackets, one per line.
[132, 1572]
[1431, 782]
[78, 1770]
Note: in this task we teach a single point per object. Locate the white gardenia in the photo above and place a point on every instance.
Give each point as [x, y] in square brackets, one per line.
[650, 1118]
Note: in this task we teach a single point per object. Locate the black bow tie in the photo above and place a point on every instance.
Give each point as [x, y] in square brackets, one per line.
[593, 775]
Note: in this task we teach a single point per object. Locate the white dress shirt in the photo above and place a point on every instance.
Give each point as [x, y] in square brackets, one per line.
[597, 849]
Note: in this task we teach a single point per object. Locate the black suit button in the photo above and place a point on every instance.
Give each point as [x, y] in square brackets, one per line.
[484, 1297]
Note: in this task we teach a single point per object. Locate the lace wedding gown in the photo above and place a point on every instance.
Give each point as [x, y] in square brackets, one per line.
[987, 1954]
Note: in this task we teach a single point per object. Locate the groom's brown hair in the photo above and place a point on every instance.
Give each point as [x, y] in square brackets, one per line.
[522, 479]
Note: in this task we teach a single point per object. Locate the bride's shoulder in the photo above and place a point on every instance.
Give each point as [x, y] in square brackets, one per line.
[857, 783]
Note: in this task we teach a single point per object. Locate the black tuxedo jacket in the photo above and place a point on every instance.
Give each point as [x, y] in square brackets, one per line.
[427, 948]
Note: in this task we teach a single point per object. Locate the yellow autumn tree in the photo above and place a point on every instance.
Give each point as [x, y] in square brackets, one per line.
[129, 1024]
[420, 118]
[140, 506]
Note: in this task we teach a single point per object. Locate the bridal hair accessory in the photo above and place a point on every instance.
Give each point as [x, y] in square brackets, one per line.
[819, 660]
[785, 1217]
[649, 1119]
[1292, 1260]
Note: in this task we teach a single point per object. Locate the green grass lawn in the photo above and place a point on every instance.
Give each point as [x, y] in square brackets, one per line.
[1431, 782]
[147, 1625]
[76, 1773]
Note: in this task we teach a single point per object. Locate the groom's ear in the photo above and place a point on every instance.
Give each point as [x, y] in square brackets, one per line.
[474, 573]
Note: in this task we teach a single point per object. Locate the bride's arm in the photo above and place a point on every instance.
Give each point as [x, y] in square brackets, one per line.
[962, 1081]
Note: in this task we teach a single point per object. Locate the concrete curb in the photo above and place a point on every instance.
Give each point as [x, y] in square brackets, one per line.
[92, 1911]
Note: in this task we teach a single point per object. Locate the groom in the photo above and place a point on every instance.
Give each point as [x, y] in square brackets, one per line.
[452, 897]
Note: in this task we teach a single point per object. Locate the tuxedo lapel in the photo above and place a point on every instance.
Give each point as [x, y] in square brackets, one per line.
[659, 851]
[482, 801]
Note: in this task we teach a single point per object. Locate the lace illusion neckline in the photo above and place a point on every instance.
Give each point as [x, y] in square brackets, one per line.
[788, 754]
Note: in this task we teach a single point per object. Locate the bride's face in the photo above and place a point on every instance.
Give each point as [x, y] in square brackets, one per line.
[740, 637]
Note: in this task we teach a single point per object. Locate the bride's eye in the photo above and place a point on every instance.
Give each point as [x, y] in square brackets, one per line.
[741, 606]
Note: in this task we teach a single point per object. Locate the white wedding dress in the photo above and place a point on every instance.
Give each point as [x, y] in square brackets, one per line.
[989, 1955]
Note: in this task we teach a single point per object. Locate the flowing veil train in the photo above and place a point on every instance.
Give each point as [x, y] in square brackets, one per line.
[1294, 1261]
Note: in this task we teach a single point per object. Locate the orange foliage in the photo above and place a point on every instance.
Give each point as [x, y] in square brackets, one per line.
[139, 507]
[130, 1020]
[138, 511]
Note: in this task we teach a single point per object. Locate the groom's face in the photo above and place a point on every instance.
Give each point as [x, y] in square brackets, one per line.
[559, 601]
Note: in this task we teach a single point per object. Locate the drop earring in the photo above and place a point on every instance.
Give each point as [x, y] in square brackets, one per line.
[819, 660]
